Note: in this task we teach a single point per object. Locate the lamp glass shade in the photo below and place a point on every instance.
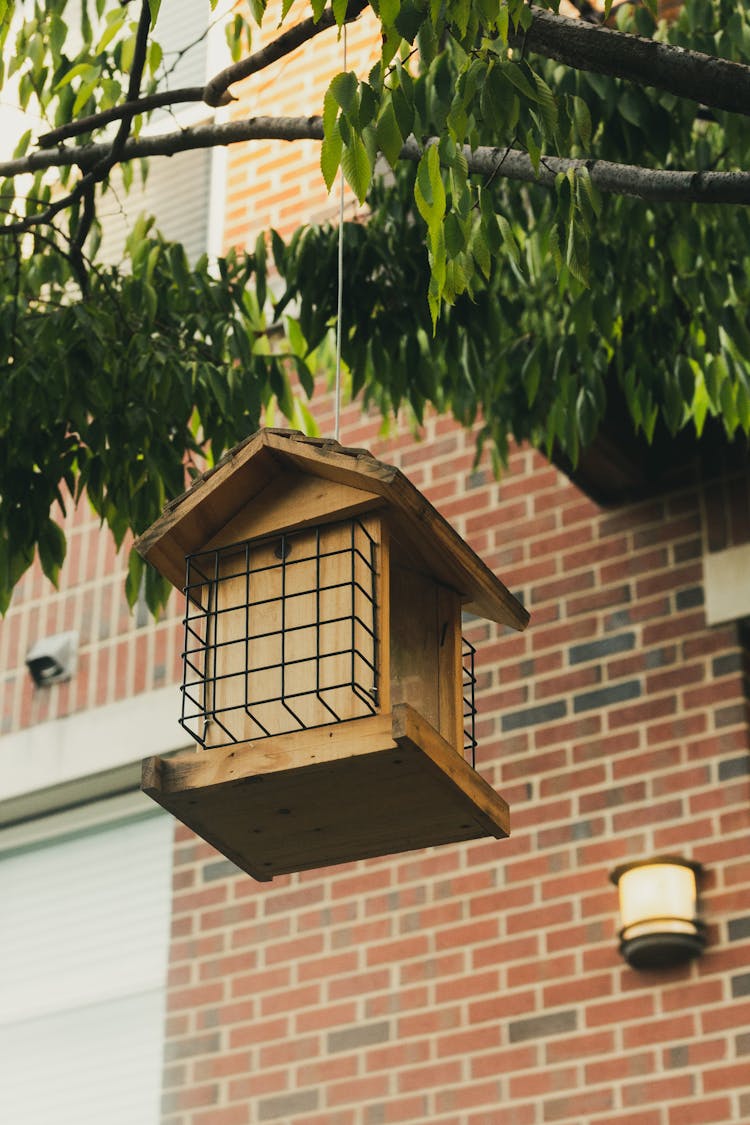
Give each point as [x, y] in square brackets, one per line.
[657, 895]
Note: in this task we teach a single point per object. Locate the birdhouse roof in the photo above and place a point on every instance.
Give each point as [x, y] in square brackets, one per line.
[191, 521]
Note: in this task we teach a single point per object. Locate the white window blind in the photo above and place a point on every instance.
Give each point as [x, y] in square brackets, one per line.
[177, 188]
[84, 930]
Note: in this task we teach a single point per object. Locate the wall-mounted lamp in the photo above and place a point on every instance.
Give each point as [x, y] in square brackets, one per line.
[658, 912]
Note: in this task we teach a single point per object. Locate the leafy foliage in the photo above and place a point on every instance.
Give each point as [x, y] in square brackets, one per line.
[516, 304]
[158, 368]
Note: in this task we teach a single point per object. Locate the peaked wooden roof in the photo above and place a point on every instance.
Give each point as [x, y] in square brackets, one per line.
[190, 522]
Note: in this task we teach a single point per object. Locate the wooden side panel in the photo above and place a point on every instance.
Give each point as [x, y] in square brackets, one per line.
[383, 639]
[450, 672]
[414, 643]
[425, 626]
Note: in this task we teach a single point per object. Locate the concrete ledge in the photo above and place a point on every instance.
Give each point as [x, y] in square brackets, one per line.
[726, 577]
[86, 755]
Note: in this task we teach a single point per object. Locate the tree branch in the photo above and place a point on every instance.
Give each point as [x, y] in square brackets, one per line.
[712, 81]
[216, 90]
[117, 112]
[110, 155]
[651, 184]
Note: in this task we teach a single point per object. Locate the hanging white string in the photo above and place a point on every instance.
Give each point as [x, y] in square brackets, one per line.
[340, 293]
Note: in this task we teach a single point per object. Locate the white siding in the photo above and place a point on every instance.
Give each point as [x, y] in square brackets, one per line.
[84, 929]
[176, 193]
[177, 188]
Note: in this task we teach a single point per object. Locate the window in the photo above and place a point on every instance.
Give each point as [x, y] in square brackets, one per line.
[84, 932]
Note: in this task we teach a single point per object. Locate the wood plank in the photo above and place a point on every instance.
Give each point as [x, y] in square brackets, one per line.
[383, 637]
[414, 641]
[410, 729]
[294, 501]
[201, 768]
[450, 668]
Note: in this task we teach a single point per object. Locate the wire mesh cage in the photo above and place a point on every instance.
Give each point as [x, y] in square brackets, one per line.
[280, 634]
[469, 681]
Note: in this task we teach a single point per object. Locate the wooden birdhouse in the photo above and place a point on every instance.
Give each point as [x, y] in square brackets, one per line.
[325, 682]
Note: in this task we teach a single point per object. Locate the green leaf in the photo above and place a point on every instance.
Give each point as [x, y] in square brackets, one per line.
[114, 24]
[389, 10]
[344, 89]
[85, 91]
[86, 71]
[429, 191]
[339, 11]
[509, 241]
[388, 135]
[481, 250]
[514, 74]
[258, 10]
[23, 144]
[546, 102]
[582, 120]
[700, 406]
[586, 416]
[355, 164]
[531, 374]
[409, 20]
[154, 6]
[136, 566]
[52, 549]
[260, 269]
[330, 157]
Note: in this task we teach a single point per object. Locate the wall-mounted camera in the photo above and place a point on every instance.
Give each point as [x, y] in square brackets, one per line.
[53, 659]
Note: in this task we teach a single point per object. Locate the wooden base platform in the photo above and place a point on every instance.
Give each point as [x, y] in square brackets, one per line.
[352, 790]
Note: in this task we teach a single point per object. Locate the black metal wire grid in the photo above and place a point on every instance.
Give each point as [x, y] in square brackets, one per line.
[277, 594]
[468, 653]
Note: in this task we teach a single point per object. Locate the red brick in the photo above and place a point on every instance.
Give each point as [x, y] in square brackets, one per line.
[401, 950]
[700, 1112]
[358, 1091]
[692, 994]
[656, 1031]
[323, 1018]
[579, 1046]
[548, 916]
[438, 1075]
[576, 991]
[726, 1077]
[550, 1080]
[577, 1106]
[619, 1067]
[617, 1011]
[659, 1090]
[725, 1018]
[501, 1006]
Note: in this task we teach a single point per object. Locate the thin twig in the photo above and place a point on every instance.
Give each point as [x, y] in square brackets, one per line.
[216, 90]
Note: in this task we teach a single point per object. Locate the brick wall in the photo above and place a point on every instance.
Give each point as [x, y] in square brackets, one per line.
[481, 983]
[120, 654]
